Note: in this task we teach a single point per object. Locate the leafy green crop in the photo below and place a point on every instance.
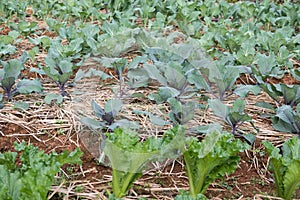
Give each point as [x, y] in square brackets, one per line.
[173, 79]
[224, 77]
[89, 34]
[43, 41]
[187, 17]
[119, 5]
[129, 156]
[138, 77]
[211, 159]
[107, 116]
[287, 119]
[55, 25]
[116, 40]
[33, 176]
[9, 75]
[68, 10]
[24, 27]
[184, 195]
[235, 116]
[146, 10]
[7, 43]
[172, 69]
[290, 94]
[169, 70]
[285, 165]
[260, 35]
[118, 65]
[10, 8]
[181, 112]
[61, 63]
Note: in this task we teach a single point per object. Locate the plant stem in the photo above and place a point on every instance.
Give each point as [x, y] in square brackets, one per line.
[190, 177]
[115, 183]
[196, 187]
[124, 178]
[8, 93]
[130, 178]
[62, 89]
[120, 82]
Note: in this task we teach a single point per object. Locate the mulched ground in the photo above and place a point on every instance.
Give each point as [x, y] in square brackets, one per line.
[56, 128]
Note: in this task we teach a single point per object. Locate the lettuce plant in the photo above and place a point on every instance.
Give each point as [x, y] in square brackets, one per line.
[31, 174]
[211, 159]
[129, 156]
[285, 165]
[9, 75]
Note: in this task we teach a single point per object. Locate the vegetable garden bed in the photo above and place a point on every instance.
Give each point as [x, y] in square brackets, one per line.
[201, 86]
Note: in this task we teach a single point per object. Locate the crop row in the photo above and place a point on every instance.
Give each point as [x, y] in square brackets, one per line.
[182, 70]
[215, 44]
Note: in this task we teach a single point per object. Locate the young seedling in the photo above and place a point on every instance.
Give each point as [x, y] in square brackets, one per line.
[235, 116]
[289, 93]
[180, 112]
[118, 65]
[107, 116]
[287, 119]
[24, 27]
[9, 75]
[43, 42]
[173, 79]
[7, 43]
[60, 63]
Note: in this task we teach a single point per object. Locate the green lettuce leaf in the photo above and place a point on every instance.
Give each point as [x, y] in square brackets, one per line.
[285, 166]
[33, 179]
[211, 159]
[129, 156]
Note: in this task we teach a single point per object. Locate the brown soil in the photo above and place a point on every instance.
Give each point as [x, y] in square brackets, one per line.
[251, 180]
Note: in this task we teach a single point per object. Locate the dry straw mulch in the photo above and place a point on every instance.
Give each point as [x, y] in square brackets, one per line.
[42, 119]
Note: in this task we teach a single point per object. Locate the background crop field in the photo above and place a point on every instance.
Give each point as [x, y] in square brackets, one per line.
[73, 70]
